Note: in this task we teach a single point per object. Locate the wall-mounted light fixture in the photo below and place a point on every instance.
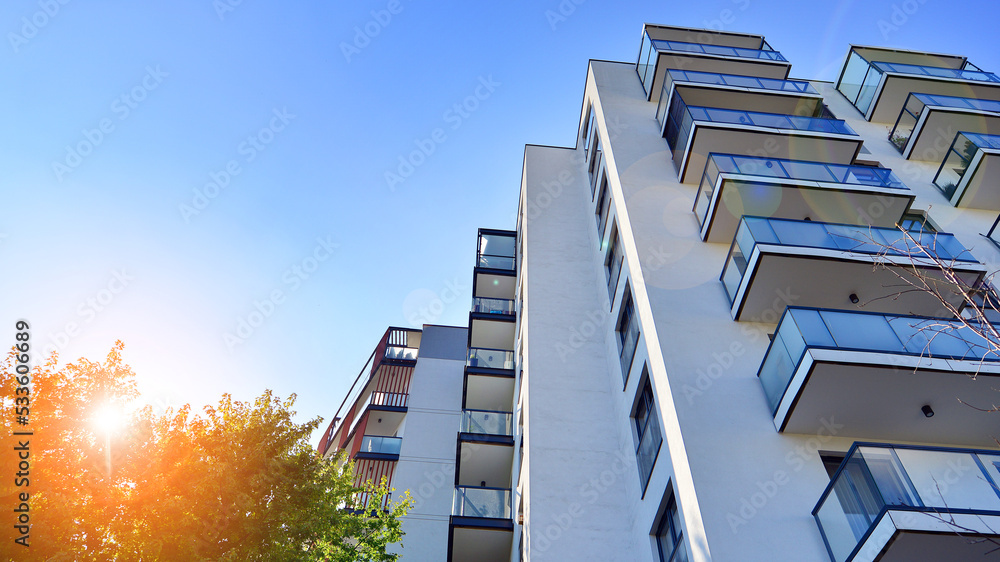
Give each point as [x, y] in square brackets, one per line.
[927, 410]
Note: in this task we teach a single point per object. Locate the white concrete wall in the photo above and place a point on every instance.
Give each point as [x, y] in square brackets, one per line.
[745, 491]
[581, 477]
[426, 464]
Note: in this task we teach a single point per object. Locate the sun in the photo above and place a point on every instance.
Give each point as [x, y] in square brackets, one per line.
[109, 419]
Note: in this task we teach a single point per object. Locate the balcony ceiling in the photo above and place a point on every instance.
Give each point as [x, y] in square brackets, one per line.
[492, 334]
[981, 191]
[889, 99]
[728, 97]
[761, 141]
[904, 536]
[483, 392]
[481, 461]
[701, 62]
[938, 128]
[819, 278]
[481, 545]
[878, 397]
[495, 286]
[827, 202]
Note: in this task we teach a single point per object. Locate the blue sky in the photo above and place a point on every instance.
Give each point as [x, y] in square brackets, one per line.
[171, 170]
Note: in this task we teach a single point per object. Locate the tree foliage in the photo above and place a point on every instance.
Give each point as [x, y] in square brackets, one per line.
[238, 481]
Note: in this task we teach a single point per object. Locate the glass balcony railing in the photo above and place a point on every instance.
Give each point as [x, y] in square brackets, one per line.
[918, 70]
[960, 154]
[849, 238]
[915, 104]
[682, 117]
[673, 75]
[802, 329]
[496, 249]
[650, 48]
[490, 358]
[875, 478]
[860, 77]
[378, 444]
[490, 503]
[492, 306]
[758, 167]
[400, 352]
[487, 423]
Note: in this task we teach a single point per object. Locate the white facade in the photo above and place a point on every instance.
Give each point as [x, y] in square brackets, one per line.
[713, 442]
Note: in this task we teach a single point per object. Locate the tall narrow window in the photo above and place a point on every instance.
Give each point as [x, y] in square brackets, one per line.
[586, 135]
[628, 334]
[603, 204]
[613, 265]
[669, 537]
[595, 165]
[647, 428]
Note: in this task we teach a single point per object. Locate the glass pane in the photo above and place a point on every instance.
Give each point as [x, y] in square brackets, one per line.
[808, 171]
[952, 480]
[868, 90]
[861, 331]
[810, 324]
[854, 74]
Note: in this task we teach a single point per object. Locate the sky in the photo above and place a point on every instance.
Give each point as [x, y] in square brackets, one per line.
[249, 192]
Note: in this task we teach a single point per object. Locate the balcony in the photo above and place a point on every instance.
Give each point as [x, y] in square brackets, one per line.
[485, 305]
[481, 525]
[664, 48]
[378, 447]
[877, 81]
[928, 121]
[497, 249]
[734, 185]
[776, 262]
[482, 422]
[693, 132]
[967, 175]
[873, 373]
[901, 503]
[718, 85]
[487, 503]
[383, 385]
[490, 358]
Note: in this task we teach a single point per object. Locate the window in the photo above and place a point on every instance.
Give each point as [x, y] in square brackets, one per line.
[603, 204]
[647, 428]
[628, 334]
[670, 537]
[994, 234]
[586, 135]
[595, 165]
[917, 221]
[613, 266]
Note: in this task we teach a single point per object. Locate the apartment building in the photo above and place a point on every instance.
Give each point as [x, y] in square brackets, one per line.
[700, 344]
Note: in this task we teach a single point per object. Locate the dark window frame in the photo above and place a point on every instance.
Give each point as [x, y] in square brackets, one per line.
[669, 526]
[628, 323]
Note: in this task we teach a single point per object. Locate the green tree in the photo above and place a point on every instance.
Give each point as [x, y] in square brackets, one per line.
[238, 481]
